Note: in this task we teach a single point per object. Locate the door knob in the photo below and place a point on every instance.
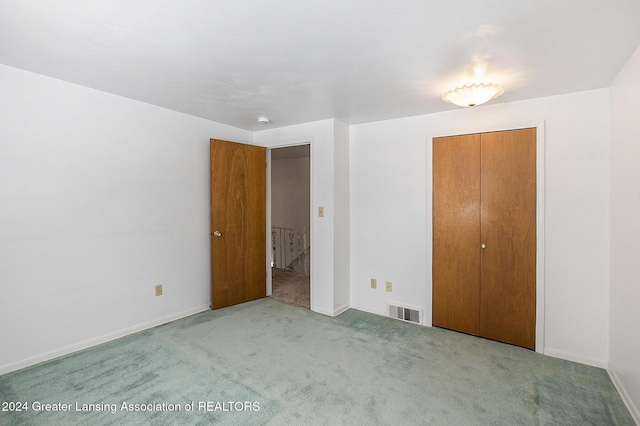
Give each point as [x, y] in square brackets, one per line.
[217, 234]
[484, 246]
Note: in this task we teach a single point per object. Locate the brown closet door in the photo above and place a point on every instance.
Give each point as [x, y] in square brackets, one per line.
[508, 229]
[456, 233]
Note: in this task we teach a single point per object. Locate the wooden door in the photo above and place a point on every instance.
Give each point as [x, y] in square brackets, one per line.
[456, 233]
[508, 230]
[484, 235]
[238, 223]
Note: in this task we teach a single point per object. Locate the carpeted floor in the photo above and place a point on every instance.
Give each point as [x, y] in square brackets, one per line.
[269, 363]
[290, 287]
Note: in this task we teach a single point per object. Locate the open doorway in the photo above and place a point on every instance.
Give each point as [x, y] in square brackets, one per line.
[290, 225]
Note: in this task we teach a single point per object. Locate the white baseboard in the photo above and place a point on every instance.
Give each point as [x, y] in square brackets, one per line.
[371, 311]
[575, 358]
[322, 311]
[341, 309]
[424, 322]
[7, 368]
[330, 313]
[635, 413]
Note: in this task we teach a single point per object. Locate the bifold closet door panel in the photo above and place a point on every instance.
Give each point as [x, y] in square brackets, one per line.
[508, 232]
[456, 233]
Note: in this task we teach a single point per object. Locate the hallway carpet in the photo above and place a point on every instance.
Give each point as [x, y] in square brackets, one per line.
[290, 287]
[269, 363]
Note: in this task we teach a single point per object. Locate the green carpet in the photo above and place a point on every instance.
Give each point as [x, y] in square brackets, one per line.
[266, 362]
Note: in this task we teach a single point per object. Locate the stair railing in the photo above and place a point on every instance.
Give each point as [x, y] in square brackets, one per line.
[289, 249]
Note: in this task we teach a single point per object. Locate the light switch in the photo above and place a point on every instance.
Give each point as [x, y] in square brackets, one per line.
[320, 211]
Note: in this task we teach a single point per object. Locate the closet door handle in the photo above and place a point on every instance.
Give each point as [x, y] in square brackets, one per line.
[484, 246]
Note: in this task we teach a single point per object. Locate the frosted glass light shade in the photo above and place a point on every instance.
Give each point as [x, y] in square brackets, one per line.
[473, 94]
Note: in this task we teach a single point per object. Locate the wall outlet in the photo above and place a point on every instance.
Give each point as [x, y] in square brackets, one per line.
[374, 283]
[389, 286]
[159, 290]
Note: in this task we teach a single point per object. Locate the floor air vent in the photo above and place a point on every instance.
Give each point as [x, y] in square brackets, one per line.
[405, 314]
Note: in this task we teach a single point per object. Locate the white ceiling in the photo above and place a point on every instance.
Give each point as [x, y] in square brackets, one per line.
[296, 61]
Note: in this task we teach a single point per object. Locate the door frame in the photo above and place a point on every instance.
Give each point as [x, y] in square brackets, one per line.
[312, 239]
[540, 224]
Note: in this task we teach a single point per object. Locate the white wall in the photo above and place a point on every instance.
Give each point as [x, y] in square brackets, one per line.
[391, 224]
[291, 209]
[321, 135]
[625, 232]
[101, 198]
[290, 193]
[342, 224]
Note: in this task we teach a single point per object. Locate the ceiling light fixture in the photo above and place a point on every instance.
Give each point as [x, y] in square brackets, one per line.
[473, 94]
[263, 120]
